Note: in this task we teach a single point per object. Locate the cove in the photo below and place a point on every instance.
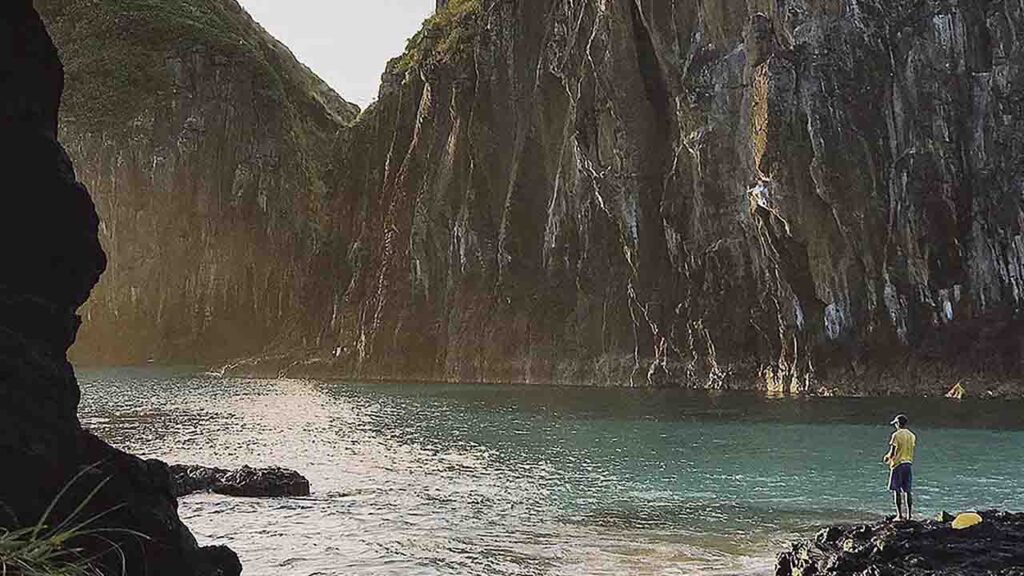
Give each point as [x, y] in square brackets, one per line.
[435, 479]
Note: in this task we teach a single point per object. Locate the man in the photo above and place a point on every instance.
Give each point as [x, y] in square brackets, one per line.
[900, 460]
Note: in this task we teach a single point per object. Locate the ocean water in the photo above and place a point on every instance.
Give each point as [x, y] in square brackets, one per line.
[431, 479]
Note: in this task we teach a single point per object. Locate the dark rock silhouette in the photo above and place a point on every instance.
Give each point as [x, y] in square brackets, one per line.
[51, 260]
[994, 547]
[245, 481]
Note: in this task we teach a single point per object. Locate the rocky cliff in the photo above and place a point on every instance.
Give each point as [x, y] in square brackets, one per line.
[54, 473]
[790, 195]
[798, 196]
[203, 141]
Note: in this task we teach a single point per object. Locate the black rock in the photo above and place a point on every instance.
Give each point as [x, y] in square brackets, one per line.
[828, 535]
[995, 547]
[248, 482]
[51, 259]
[221, 561]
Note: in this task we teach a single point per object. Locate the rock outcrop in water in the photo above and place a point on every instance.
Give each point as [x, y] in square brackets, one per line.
[245, 481]
[52, 259]
[994, 547]
[796, 196]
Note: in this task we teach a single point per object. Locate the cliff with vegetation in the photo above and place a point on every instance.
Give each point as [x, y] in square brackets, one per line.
[793, 196]
[204, 143]
[69, 502]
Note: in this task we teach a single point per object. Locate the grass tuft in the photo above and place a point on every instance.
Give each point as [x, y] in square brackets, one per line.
[52, 550]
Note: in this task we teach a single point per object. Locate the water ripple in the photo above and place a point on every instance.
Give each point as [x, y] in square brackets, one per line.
[482, 480]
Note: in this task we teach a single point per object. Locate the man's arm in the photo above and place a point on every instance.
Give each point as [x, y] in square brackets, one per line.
[891, 453]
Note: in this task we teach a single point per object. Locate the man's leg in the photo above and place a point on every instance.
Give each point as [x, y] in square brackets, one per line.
[910, 505]
[896, 501]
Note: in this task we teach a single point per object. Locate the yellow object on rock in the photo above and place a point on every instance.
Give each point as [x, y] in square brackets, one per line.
[957, 392]
[966, 520]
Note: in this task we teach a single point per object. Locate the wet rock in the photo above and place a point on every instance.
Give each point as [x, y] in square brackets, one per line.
[221, 561]
[931, 547]
[245, 481]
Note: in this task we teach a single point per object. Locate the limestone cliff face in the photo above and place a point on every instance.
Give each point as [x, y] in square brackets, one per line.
[795, 196]
[203, 141]
[787, 195]
[55, 473]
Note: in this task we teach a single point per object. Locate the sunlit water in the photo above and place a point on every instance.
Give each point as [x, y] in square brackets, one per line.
[426, 479]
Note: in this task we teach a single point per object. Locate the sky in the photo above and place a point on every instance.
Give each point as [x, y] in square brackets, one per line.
[346, 42]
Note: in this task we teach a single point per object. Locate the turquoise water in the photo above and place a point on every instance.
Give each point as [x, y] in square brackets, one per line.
[512, 480]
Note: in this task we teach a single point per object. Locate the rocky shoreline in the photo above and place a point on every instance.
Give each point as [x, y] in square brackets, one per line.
[932, 547]
[978, 387]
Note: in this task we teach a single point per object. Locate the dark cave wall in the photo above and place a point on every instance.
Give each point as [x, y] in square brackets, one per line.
[52, 260]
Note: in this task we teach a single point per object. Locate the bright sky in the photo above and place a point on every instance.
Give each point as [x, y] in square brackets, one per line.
[346, 42]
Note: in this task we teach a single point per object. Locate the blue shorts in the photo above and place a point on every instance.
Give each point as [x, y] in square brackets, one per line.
[901, 478]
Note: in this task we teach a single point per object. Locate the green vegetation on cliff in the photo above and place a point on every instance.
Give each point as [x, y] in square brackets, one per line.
[446, 37]
[114, 79]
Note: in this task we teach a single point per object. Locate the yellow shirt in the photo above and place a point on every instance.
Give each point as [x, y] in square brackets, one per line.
[904, 441]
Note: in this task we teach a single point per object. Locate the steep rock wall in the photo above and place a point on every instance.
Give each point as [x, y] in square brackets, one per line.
[797, 196]
[202, 140]
[787, 195]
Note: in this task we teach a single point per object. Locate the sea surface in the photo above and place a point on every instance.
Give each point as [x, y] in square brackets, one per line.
[430, 479]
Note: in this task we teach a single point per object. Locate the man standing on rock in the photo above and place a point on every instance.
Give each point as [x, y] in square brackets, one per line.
[900, 459]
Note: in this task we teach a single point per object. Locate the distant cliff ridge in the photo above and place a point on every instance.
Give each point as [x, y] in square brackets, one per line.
[798, 196]
[206, 146]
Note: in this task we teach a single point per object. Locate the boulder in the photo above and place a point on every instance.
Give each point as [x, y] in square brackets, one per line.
[248, 482]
